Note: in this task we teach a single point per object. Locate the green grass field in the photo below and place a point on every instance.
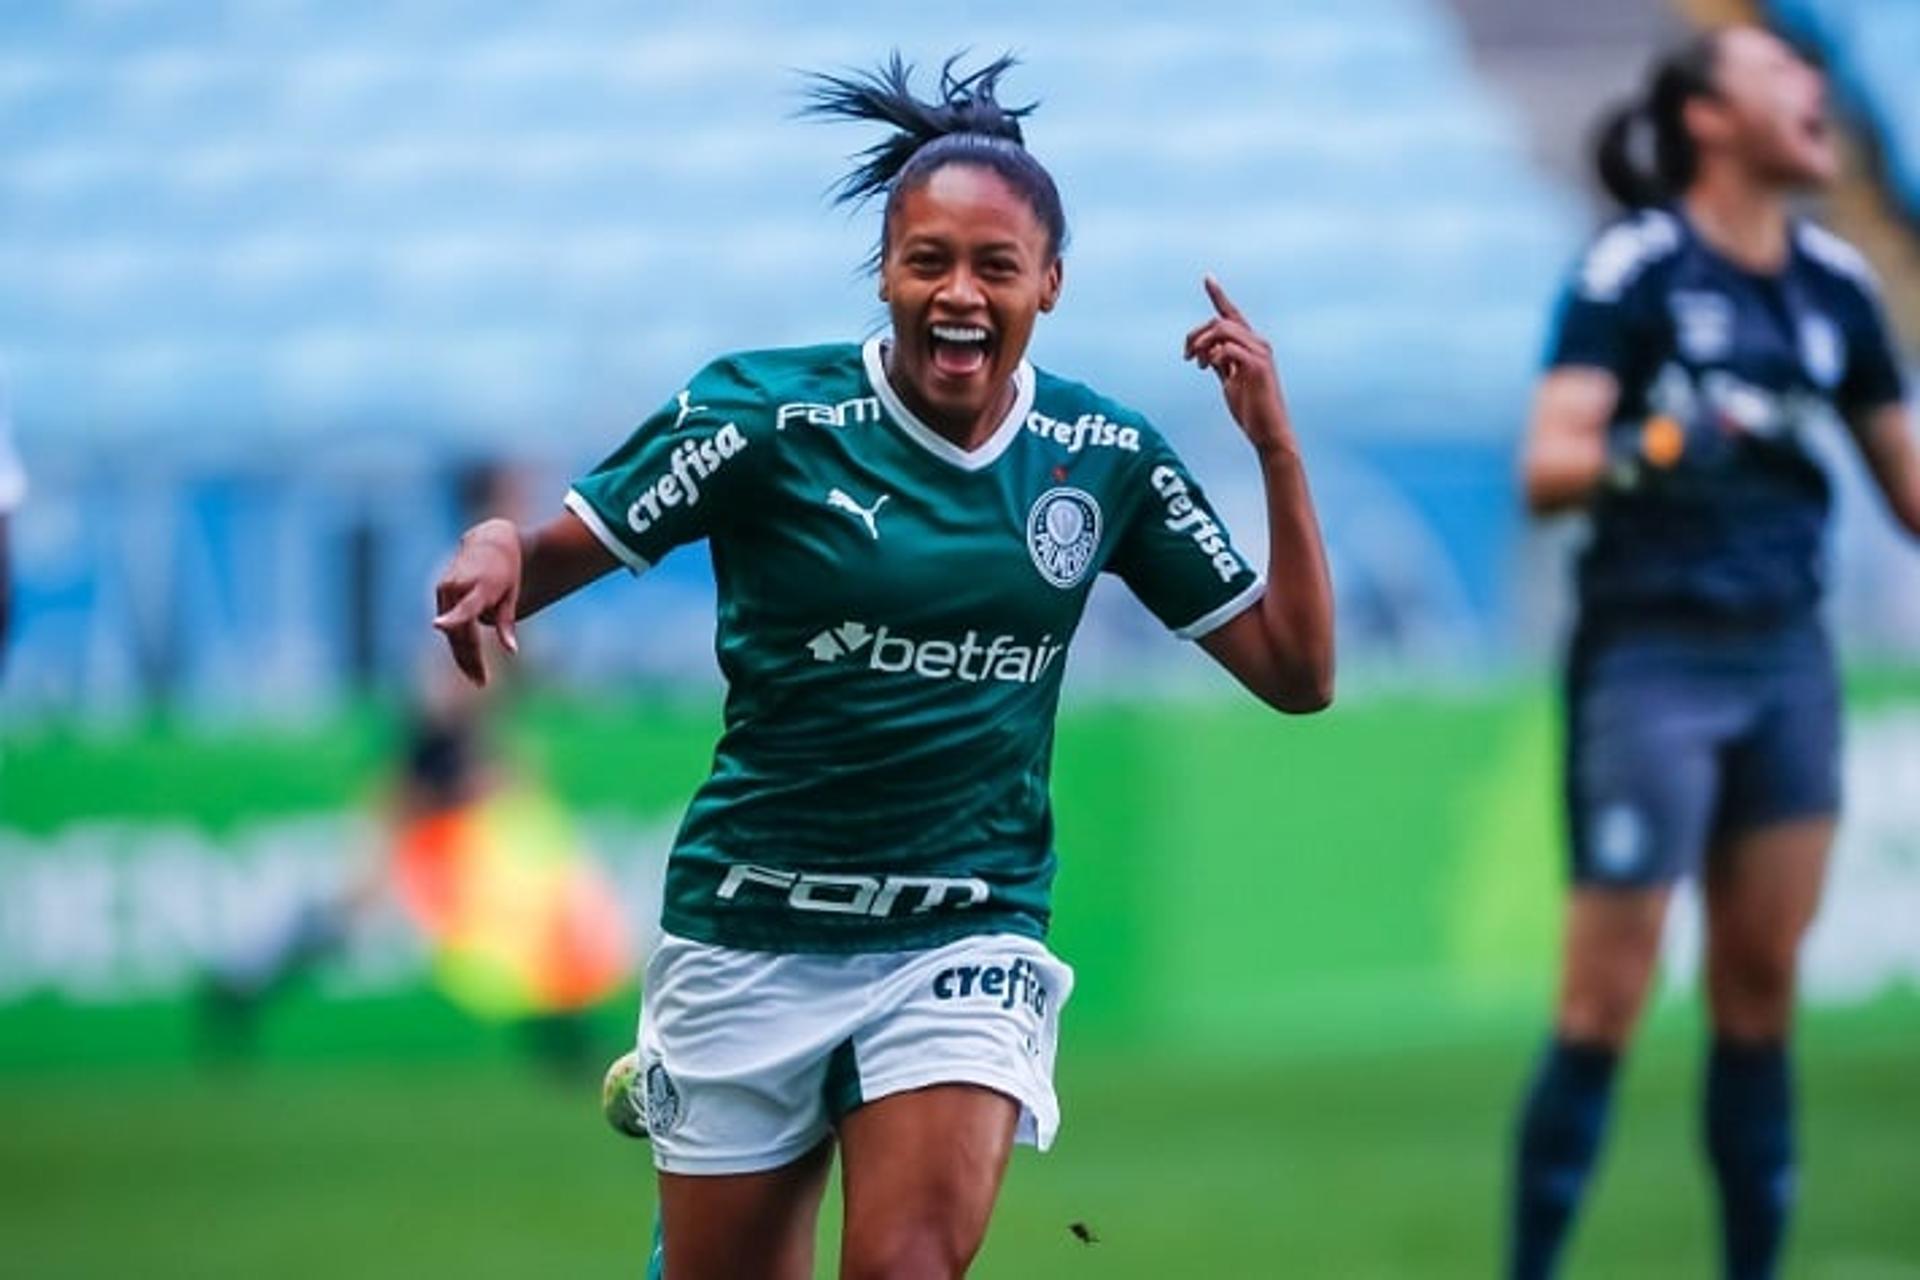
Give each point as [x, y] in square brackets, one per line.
[1383, 1163]
[1311, 958]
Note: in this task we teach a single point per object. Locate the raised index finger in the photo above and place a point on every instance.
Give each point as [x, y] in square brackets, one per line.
[1221, 302]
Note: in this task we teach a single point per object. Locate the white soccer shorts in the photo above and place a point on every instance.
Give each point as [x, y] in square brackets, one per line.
[748, 1058]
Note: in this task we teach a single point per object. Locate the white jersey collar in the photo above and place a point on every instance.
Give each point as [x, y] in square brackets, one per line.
[982, 455]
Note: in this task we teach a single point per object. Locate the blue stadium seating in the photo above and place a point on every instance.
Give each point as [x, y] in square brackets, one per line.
[332, 248]
[273, 218]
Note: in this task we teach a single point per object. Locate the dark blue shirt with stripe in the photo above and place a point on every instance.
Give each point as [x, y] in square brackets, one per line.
[1748, 367]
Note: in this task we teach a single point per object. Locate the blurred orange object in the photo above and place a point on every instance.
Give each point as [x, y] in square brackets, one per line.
[521, 918]
[1662, 441]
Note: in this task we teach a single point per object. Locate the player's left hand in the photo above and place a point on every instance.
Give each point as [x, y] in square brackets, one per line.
[1243, 361]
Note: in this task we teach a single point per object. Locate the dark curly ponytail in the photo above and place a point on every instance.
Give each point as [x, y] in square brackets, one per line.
[965, 124]
[1643, 153]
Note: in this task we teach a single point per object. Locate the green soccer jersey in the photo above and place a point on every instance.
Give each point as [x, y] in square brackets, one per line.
[894, 614]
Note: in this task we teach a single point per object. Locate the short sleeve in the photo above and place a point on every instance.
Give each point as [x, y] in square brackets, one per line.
[680, 473]
[1601, 321]
[1872, 377]
[1176, 555]
[1590, 334]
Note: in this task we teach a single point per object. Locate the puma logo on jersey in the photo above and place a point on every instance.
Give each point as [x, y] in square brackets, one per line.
[839, 500]
[687, 407]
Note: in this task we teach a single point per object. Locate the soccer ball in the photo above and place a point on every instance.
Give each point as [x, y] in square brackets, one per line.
[621, 1101]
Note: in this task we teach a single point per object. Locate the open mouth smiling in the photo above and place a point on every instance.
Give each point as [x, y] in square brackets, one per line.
[959, 350]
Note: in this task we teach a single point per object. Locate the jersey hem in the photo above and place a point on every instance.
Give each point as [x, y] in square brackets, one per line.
[577, 503]
[864, 942]
[1214, 619]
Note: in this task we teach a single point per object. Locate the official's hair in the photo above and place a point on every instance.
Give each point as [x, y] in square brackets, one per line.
[965, 123]
[1643, 153]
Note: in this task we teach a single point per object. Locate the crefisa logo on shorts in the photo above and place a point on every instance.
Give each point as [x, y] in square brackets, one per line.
[1063, 531]
[662, 1101]
[1007, 985]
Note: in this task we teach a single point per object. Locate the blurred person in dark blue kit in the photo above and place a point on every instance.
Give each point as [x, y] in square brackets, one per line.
[1708, 335]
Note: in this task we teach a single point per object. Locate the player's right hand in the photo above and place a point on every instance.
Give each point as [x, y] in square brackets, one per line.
[1670, 454]
[480, 588]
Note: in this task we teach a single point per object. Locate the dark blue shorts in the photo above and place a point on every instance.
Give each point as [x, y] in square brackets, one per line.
[1680, 737]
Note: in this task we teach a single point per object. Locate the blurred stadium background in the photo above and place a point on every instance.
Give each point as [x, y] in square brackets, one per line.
[286, 284]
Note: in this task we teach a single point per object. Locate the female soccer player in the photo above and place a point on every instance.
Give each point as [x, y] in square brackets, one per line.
[903, 533]
[1708, 336]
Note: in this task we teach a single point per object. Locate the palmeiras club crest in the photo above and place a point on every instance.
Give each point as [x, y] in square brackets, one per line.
[1063, 531]
[662, 1101]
